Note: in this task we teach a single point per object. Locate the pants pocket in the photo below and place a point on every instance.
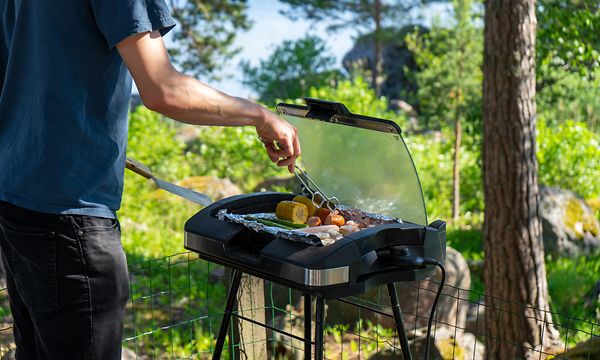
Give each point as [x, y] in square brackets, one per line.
[32, 263]
[106, 266]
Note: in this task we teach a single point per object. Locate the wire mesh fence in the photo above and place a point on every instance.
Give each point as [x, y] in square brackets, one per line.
[177, 303]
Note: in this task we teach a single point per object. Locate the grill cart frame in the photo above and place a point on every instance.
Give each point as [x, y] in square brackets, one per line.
[383, 254]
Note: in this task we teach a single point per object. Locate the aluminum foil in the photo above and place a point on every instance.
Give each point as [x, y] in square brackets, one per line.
[318, 239]
[311, 239]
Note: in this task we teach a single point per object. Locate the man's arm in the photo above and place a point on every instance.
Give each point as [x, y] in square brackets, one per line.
[183, 98]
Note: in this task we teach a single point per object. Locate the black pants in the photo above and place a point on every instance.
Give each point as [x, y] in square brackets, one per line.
[67, 283]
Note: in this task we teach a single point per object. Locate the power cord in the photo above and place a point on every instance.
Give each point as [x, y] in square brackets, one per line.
[428, 261]
[400, 257]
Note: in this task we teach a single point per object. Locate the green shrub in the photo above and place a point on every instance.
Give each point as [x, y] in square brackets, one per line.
[569, 157]
[234, 153]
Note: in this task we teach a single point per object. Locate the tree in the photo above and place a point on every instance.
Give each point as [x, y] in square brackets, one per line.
[450, 79]
[514, 267]
[568, 61]
[292, 69]
[206, 33]
[366, 16]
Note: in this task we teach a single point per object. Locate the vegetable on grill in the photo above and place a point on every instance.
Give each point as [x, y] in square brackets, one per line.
[292, 211]
[288, 223]
[284, 224]
[310, 205]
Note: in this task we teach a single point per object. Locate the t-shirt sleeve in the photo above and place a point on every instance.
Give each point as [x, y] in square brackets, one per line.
[118, 19]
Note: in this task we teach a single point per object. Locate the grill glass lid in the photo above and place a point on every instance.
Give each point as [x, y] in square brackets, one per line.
[362, 161]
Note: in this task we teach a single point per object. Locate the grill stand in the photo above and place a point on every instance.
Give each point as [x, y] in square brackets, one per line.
[319, 322]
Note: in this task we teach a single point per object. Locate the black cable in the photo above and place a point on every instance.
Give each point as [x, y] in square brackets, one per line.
[435, 302]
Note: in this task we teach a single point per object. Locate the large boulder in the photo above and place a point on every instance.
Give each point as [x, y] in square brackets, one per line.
[396, 59]
[570, 227]
[212, 186]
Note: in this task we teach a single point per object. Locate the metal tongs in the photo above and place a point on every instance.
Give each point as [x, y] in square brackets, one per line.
[312, 190]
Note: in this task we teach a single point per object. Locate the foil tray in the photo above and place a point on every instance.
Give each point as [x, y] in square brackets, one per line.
[350, 213]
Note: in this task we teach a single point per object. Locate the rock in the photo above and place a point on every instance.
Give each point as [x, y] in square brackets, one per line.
[10, 355]
[589, 349]
[212, 186]
[476, 318]
[128, 354]
[396, 58]
[570, 227]
[187, 134]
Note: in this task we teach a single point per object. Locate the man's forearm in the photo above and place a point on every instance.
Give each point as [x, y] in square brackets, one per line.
[188, 100]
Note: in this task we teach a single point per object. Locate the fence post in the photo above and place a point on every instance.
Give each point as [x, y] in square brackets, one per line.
[251, 304]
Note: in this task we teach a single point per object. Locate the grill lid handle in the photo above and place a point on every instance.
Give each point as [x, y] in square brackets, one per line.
[325, 110]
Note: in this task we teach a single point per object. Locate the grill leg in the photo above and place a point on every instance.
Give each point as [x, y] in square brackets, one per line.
[307, 327]
[319, 323]
[406, 355]
[235, 284]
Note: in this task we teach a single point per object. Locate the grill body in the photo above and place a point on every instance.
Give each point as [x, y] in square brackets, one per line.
[350, 266]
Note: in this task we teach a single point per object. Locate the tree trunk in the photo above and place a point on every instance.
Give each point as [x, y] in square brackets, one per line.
[456, 169]
[514, 270]
[378, 66]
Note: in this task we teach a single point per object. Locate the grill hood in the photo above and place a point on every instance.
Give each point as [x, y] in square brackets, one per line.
[362, 161]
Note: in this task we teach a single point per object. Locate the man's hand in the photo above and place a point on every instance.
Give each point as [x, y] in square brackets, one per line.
[280, 139]
[183, 98]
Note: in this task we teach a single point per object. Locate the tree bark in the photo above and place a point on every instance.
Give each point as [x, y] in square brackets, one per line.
[519, 324]
[378, 66]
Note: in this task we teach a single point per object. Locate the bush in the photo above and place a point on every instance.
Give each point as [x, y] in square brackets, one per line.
[569, 157]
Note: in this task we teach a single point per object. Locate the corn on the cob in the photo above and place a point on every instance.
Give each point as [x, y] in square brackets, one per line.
[310, 205]
[292, 211]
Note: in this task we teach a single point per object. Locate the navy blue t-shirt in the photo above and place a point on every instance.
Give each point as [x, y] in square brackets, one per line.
[64, 100]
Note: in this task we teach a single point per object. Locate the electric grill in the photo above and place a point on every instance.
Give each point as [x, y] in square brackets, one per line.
[365, 163]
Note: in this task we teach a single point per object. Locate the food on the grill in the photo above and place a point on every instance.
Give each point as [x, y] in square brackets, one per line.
[271, 223]
[289, 223]
[322, 213]
[334, 219]
[313, 221]
[319, 229]
[353, 223]
[310, 205]
[292, 211]
[348, 229]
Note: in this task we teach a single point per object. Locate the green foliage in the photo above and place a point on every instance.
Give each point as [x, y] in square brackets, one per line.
[449, 80]
[433, 157]
[292, 69]
[234, 153]
[567, 35]
[206, 33]
[570, 96]
[568, 61]
[569, 157]
[570, 282]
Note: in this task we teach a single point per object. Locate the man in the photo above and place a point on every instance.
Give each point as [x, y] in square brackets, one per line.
[64, 94]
